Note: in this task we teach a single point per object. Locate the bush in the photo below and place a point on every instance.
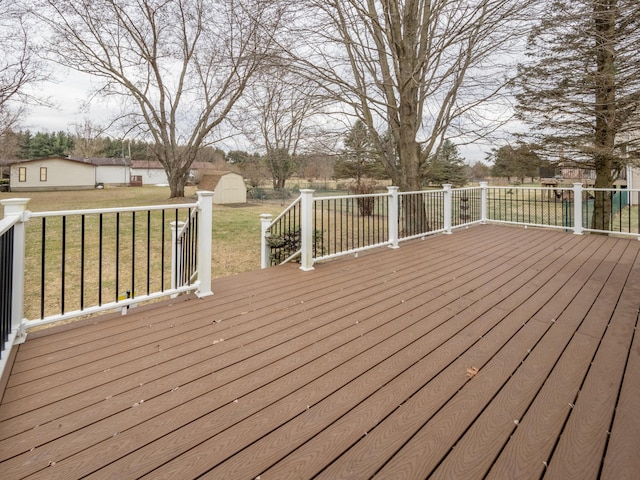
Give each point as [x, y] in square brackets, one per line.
[285, 245]
[256, 193]
[365, 187]
[259, 193]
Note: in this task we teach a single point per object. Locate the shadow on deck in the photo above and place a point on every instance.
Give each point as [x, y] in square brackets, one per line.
[495, 352]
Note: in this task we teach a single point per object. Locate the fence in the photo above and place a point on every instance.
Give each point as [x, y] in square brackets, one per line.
[318, 228]
[60, 265]
[11, 276]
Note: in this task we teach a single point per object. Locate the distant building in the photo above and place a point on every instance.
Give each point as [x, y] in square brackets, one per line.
[228, 187]
[151, 172]
[67, 173]
[112, 171]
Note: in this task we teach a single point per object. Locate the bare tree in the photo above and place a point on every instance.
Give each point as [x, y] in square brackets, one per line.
[88, 139]
[280, 116]
[580, 89]
[19, 68]
[421, 70]
[178, 66]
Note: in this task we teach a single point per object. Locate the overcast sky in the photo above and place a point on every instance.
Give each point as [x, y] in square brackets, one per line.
[71, 91]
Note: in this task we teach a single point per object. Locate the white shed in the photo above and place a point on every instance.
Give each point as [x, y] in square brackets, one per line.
[228, 187]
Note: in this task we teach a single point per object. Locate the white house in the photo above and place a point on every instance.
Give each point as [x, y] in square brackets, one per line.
[52, 173]
[67, 173]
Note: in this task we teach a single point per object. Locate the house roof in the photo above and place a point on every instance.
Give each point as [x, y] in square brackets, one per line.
[154, 164]
[210, 179]
[98, 162]
[103, 161]
[147, 164]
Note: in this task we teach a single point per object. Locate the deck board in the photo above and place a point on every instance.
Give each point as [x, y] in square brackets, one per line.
[357, 369]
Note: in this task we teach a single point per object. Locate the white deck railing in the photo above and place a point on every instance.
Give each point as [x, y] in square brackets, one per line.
[84, 261]
[332, 226]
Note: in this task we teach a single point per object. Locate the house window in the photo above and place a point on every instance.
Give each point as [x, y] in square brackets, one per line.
[22, 174]
[43, 174]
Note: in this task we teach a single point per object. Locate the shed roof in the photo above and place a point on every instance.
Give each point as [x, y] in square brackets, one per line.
[210, 180]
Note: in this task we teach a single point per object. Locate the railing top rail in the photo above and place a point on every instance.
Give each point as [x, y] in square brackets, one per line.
[8, 222]
[96, 211]
[285, 211]
[421, 191]
[519, 187]
[344, 197]
[560, 187]
[612, 189]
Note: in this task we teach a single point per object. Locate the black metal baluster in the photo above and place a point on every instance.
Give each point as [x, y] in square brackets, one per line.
[100, 246]
[63, 266]
[148, 251]
[162, 251]
[133, 255]
[42, 265]
[117, 255]
[82, 244]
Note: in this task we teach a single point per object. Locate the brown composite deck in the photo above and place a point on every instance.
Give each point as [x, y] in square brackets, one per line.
[495, 352]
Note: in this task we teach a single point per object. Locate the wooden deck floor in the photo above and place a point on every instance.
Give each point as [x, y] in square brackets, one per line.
[495, 352]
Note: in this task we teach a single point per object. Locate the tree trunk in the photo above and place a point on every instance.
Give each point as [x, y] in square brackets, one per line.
[177, 169]
[601, 219]
[278, 183]
[177, 182]
[604, 15]
[414, 218]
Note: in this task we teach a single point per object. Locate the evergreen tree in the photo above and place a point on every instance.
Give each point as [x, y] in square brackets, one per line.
[44, 144]
[358, 160]
[580, 89]
[520, 162]
[446, 166]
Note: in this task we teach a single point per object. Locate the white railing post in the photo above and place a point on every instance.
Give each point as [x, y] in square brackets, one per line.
[306, 229]
[447, 207]
[483, 202]
[265, 250]
[393, 217]
[176, 255]
[205, 224]
[577, 208]
[17, 207]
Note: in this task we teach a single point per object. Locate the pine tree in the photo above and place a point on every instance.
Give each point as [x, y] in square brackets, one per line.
[358, 160]
[446, 166]
[580, 91]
